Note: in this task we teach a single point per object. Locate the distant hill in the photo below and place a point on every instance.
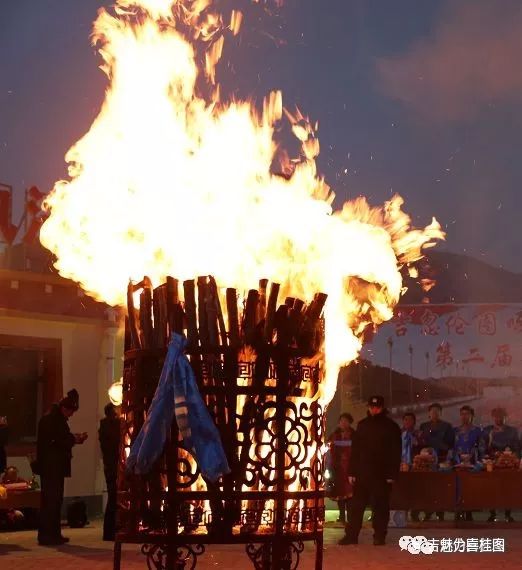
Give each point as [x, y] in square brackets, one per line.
[463, 279]
[375, 380]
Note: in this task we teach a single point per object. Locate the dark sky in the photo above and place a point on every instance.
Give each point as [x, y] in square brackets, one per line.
[420, 98]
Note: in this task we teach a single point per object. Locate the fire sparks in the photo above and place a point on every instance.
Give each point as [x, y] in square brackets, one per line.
[170, 180]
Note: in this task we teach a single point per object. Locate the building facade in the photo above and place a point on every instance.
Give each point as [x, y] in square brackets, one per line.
[53, 338]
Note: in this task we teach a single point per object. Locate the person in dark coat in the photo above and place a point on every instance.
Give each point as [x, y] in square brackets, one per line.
[340, 449]
[440, 436]
[109, 436]
[53, 463]
[374, 466]
[4, 432]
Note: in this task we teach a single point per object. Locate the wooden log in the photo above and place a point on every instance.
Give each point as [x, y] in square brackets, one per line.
[233, 319]
[212, 317]
[173, 307]
[296, 317]
[204, 337]
[250, 317]
[307, 337]
[270, 311]
[146, 315]
[173, 289]
[221, 320]
[261, 313]
[282, 326]
[179, 318]
[189, 290]
[131, 313]
[159, 307]
[314, 310]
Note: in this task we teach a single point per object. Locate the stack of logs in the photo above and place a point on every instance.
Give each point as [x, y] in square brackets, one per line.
[278, 334]
[291, 326]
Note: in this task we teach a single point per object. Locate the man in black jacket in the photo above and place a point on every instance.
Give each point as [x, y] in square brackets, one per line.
[109, 435]
[374, 465]
[53, 460]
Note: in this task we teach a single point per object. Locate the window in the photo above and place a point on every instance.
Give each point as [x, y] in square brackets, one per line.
[21, 383]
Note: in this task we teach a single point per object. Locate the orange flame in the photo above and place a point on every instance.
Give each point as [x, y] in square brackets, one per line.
[171, 182]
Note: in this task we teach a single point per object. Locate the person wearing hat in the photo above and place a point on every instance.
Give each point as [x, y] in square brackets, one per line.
[374, 465]
[53, 463]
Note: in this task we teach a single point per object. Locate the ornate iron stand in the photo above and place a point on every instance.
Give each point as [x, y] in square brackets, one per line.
[272, 428]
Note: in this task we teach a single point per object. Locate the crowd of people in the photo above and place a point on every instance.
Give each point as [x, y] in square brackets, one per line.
[364, 462]
[55, 443]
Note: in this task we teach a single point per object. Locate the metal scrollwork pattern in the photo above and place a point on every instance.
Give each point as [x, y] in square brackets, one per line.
[155, 555]
[187, 470]
[272, 428]
[301, 440]
[263, 556]
[186, 556]
[259, 555]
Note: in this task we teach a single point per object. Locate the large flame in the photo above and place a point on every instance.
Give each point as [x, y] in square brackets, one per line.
[170, 180]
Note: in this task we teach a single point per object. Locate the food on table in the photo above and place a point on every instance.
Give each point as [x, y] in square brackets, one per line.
[426, 460]
[506, 460]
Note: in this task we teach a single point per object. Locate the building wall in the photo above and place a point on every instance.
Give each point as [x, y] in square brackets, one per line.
[88, 347]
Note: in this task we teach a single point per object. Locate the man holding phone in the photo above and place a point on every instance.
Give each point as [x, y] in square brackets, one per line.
[53, 463]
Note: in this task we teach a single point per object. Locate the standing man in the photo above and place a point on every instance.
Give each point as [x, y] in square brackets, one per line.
[109, 435]
[374, 465]
[437, 433]
[411, 439]
[53, 460]
[469, 439]
[469, 447]
[499, 437]
[440, 436]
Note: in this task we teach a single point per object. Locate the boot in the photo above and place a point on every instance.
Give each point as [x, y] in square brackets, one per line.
[342, 512]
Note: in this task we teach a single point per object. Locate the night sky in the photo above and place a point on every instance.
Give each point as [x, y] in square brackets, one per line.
[420, 98]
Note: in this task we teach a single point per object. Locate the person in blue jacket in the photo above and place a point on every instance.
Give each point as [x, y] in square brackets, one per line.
[469, 439]
[469, 446]
[499, 437]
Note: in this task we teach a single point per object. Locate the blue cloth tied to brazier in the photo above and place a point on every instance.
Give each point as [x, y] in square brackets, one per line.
[177, 393]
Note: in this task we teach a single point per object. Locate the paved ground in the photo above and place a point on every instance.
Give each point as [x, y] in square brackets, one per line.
[18, 551]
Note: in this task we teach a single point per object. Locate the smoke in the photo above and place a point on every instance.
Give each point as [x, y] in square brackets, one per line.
[471, 61]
